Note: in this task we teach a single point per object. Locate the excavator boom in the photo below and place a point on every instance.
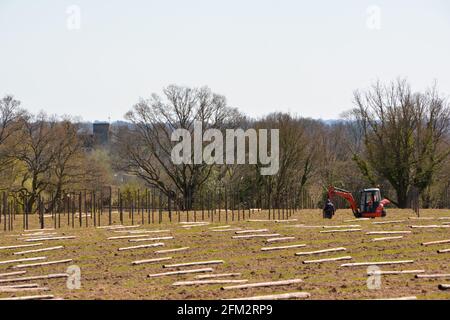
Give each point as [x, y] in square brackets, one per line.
[347, 195]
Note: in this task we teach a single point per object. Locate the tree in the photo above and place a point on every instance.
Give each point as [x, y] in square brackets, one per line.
[145, 146]
[36, 153]
[298, 153]
[67, 167]
[9, 126]
[404, 136]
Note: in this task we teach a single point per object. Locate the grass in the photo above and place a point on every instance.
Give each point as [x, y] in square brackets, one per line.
[108, 274]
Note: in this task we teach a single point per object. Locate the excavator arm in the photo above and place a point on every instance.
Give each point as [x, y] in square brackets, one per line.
[332, 191]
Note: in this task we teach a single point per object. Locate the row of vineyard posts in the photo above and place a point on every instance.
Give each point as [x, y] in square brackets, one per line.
[148, 206]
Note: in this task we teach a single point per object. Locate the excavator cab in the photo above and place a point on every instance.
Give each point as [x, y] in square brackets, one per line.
[371, 205]
[369, 200]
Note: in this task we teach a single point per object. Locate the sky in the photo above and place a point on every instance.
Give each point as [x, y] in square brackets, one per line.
[95, 59]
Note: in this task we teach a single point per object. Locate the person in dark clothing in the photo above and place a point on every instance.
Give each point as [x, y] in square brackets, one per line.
[328, 210]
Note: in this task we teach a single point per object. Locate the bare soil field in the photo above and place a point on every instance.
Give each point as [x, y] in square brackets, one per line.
[232, 250]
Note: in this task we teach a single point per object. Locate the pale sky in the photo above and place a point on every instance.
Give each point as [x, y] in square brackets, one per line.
[306, 57]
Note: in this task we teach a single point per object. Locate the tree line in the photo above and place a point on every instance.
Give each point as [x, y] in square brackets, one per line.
[394, 138]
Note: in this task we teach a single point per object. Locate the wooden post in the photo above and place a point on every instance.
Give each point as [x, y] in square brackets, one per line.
[110, 206]
[147, 204]
[59, 216]
[218, 204]
[119, 206]
[132, 208]
[73, 204]
[4, 210]
[100, 208]
[80, 209]
[239, 204]
[203, 208]
[226, 204]
[93, 207]
[160, 207]
[153, 205]
[86, 209]
[169, 207]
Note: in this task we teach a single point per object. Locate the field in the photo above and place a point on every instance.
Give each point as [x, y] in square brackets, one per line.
[107, 273]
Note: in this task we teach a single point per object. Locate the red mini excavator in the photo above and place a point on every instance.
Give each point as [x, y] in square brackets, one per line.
[370, 205]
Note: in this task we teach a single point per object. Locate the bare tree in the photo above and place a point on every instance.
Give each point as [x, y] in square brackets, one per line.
[67, 167]
[298, 153]
[36, 154]
[404, 136]
[145, 147]
[9, 126]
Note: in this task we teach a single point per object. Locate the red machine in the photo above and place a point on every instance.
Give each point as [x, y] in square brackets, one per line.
[370, 206]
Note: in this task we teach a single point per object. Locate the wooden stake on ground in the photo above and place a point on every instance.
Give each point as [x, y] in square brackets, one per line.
[435, 242]
[394, 272]
[171, 273]
[444, 286]
[189, 264]
[432, 276]
[50, 239]
[388, 232]
[344, 226]
[44, 277]
[142, 232]
[38, 297]
[379, 263]
[217, 275]
[280, 239]
[39, 235]
[281, 296]
[16, 286]
[264, 284]
[283, 247]
[285, 221]
[252, 231]
[151, 239]
[198, 282]
[224, 230]
[189, 226]
[136, 236]
[118, 227]
[21, 246]
[327, 260]
[23, 260]
[340, 230]
[320, 251]
[430, 226]
[15, 290]
[386, 238]
[171, 250]
[389, 222]
[143, 246]
[220, 227]
[400, 298]
[249, 236]
[9, 274]
[41, 264]
[358, 219]
[39, 250]
[443, 251]
[138, 262]
[39, 230]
